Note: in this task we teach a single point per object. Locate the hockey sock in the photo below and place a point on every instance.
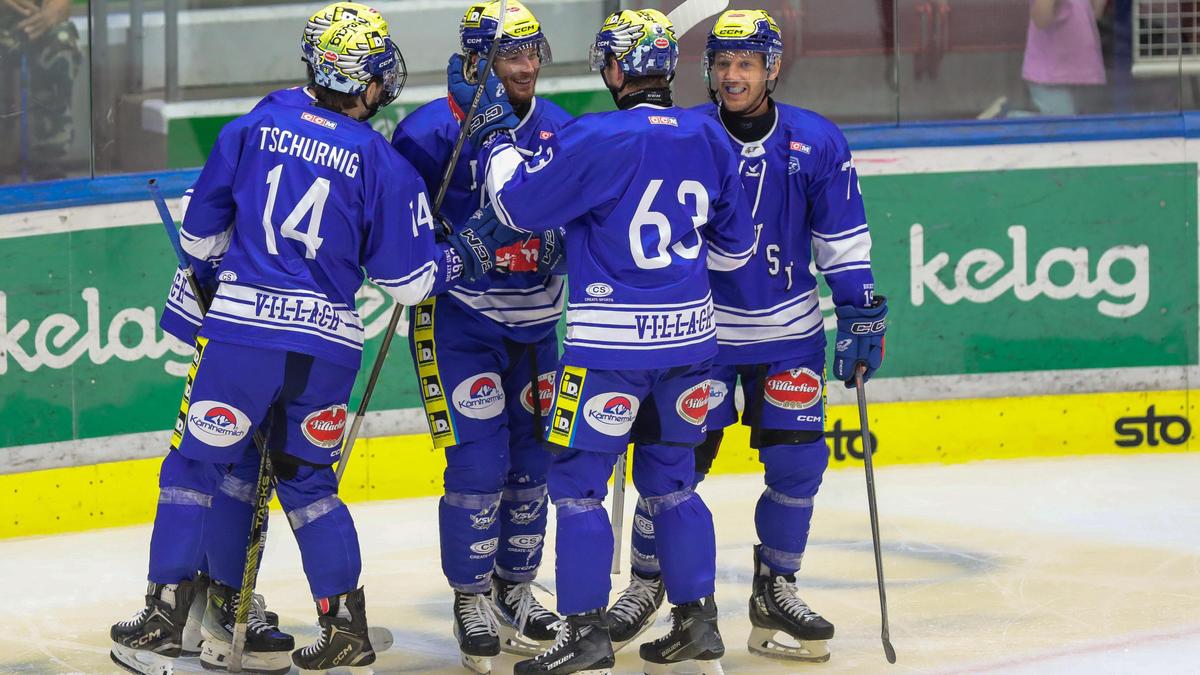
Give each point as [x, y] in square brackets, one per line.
[184, 502]
[324, 530]
[232, 513]
[522, 531]
[784, 511]
[643, 558]
[687, 545]
[582, 555]
[470, 533]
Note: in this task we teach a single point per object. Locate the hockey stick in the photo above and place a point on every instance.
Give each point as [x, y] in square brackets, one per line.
[691, 12]
[888, 651]
[262, 496]
[398, 310]
[618, 509]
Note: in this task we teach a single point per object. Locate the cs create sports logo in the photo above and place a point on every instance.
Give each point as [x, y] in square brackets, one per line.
[611, 413]
[545, 394]
[217, 424]
[323, 428]
[794, 389]
[692, 404]
[480, 396]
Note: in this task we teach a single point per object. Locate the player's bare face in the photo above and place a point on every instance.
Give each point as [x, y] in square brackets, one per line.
[519, 72]
[740, 79]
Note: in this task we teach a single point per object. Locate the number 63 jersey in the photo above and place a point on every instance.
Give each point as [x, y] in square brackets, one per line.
[807, 207]
[652, 201]
[295, 201]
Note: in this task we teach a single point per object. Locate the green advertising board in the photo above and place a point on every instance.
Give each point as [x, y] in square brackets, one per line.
[1036, 269]
[986, 272]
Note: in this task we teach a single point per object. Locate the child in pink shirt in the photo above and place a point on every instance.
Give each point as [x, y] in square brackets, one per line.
[1062, 53]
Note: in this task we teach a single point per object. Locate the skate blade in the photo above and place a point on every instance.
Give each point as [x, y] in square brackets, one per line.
[692, 667]
[215, 656]
[512, 642]
[381, 638]
[477, 664]
[618, 646]
[763, 642]
[141, 661]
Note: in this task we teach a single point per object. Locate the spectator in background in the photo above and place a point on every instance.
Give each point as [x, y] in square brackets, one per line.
[38, 31]
[1062, 54]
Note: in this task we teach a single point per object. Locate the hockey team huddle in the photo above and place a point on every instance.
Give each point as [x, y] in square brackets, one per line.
[682, 243]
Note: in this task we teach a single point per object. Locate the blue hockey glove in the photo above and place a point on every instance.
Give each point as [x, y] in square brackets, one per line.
[552, 251]
[494, 113]
[859, 340]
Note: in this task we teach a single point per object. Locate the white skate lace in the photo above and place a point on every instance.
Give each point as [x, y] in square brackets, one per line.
[525, 606]
[564, 635]
[317, 646]
[136, 619]
[258, 615]
[637, 599]
[477, 616]
[788, 598]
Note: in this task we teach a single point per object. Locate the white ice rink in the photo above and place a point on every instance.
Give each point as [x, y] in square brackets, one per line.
[1043, 566]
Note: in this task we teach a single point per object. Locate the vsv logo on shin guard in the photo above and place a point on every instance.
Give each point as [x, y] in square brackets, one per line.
[217, 424]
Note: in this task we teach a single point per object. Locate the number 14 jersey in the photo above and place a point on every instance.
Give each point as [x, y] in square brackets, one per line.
[294, 202]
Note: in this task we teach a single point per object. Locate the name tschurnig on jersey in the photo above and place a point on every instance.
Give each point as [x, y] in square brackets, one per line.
[288, 142]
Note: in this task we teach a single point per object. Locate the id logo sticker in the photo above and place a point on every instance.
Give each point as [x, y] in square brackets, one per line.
[566, 405]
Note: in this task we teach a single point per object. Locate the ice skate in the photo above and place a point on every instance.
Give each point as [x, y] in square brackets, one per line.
[267, 649]
[776, 608]
[477, 631]
[192, 639]
[149, 640]
[694, 642]
[344, 640]
[635, 610]
[526, 627]
[582, 647]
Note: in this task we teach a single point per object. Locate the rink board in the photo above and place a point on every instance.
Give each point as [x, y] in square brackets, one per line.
[922, 432]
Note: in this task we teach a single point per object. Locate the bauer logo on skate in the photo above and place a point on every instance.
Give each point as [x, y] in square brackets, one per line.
[480, 396]
[323, 428]
[611, 413]
[545, 394]
[796, 389]
[692, 404]
[217, 424]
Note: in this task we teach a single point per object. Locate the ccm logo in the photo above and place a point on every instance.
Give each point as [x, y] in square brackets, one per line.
[1135, 431]
[867, 327]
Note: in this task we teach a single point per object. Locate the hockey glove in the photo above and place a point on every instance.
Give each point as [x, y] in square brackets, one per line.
[543, 254]
[494, 113]
[859, 339]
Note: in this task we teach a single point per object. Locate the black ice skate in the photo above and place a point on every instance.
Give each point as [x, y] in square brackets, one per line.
[344, 640]
[477, 631]
[635, 610]
[526, 627]
[267, 649]
[776, 608]
[147, 642]
[192, 637]
[694, 639]
[582, 647]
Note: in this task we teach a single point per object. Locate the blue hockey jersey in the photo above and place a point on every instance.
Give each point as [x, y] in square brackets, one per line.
[807, 205]
[652, 200]
[295, 201]
[526, 306]
[181, 315]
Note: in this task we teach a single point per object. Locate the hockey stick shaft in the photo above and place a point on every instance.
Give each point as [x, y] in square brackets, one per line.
[348, 444]
[262, 497]
[868, 450]
[618, 510]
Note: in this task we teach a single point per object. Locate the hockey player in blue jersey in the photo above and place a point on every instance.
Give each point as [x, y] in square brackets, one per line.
[652, 201]
[489, 349]
[797, 170]
[233, 504]
[295, 202]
